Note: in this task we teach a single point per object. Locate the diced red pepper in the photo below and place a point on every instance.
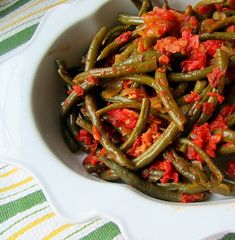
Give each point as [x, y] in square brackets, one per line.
[212, 46]
[123, 118]
[144, 141]
[190, 198]
[92, 159]
[230, 168]
[208, 108]
[92, 79]
[124, 38]
[164, 59]
[85, 137]
[78, 89]
[215, 77]
[203, 138]
[169, 171]
[192, 97]
[231, 28]
[216, 95]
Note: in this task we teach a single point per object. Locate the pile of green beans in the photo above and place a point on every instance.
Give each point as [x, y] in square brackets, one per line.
[117, 78]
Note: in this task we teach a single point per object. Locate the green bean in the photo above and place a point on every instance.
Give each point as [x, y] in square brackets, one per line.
[69, 139]
[120, 58]
[207, 2]
[190, 76]
[227, 149]
[95, 46]
[220, 24]
[123, 102]
[146, 56]
[199, 86]
[230, 119]
[164, 140]
[146, 6]
[226, 189]
[180, 90]
[111, 48]
[118, 71]
[115, 32]
[140, 125]
[93, 168]
[222, 62]
[227, 135]
[153, 175]
[74, 129]
[118, 155]
[215, 171]
[232, 12]
[164, 92]
[226, 36]
[189, 188]
[145, 187]
[108, 175]
[130, 20]
[188, 170]
[63, 71]
[217, 15]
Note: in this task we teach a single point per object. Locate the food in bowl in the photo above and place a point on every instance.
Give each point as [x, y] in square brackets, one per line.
[152, 102]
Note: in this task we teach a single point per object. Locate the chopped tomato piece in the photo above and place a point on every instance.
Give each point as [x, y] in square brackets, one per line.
[215, 77]
[218, 123]
[192, 97]
[124, 38]
[144, 141]
[203, 138]
[87, 139]
[91, 159]
[78, 89]
[208, 108]
[230, 168]
[164, 59]
[212, 46]
[123, 118]
[169, 171]
[204, 9]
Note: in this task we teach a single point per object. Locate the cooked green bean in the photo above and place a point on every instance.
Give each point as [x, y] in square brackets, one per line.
[145, 187]
[227, 149]
[164, 92]
[189, 188]
[219, 24]
[146, 6]
[118, 71]
[130, 20]
[108, 175]
[231, 120]
[119, 156]
[140, 125]
[63, 71]
[93, 51]
[165, 139]
[227, 135]
[180, 90]
[226, 36]
[214, 169]
[190, 76]
[207, 2]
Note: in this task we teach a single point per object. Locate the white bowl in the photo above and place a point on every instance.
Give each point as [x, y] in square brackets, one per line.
[65, 33]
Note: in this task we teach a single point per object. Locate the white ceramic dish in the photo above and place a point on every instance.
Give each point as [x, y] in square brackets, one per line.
[65, 33]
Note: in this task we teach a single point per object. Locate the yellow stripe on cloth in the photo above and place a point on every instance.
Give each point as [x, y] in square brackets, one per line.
[32, 14]
[6, 174]
[31, 225]
[57, 231]
[16, 185]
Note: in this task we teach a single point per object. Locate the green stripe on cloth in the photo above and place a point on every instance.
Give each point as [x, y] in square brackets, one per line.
[17, 39]
[229, 236]
[81, 229]
[20, 220]
[13, 7]
[106, 232]
[20, 205]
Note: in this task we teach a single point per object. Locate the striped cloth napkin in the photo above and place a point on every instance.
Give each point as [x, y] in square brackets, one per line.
[25, 213]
